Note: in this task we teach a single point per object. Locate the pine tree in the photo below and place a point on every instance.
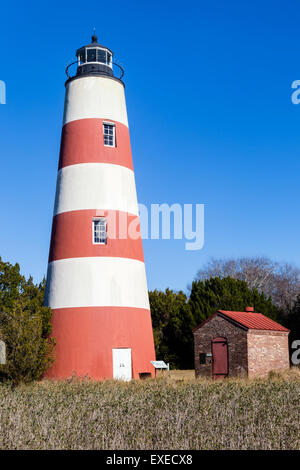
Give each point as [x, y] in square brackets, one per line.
[227, 294]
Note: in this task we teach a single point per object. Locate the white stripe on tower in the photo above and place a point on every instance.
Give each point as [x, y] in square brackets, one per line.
[95, 97]
[95, 186]
[97, 281]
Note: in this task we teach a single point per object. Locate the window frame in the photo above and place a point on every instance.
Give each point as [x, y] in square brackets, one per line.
[97, 219]
[202, 359]
[113, 125]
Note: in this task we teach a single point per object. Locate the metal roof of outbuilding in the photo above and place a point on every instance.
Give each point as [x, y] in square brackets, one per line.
[249, 319]
[254, 321]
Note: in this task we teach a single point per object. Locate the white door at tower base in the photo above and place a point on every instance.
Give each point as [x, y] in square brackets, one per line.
[122, 364]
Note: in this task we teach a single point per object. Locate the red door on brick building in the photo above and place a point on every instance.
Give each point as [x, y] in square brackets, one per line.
[219, 357]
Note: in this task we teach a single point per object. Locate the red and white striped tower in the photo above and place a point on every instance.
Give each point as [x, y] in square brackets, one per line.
[96, 283]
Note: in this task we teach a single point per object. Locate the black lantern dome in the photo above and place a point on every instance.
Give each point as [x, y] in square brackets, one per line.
[94, 59]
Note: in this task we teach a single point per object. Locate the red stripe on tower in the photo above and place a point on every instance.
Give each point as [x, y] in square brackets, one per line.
[72, 234]
[96, 280]
[82, 142]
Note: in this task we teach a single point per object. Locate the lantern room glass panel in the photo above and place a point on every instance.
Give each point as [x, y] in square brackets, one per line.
[82, 57]
[101, 54]
[91, 55]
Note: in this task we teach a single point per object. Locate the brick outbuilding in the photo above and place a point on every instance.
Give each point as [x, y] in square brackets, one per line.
[240, 344]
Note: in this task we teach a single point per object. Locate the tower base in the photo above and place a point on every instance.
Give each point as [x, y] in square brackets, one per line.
[87, 336]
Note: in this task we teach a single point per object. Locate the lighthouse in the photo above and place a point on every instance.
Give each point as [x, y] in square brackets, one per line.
[96, 279]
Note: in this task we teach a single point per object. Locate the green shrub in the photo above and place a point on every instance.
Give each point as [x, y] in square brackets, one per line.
[25, 326]
[172, 323]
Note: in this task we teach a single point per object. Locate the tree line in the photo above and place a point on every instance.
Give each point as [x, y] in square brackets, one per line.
[271, 288]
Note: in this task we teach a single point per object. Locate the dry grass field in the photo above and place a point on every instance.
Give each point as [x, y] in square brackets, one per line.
[173, 411]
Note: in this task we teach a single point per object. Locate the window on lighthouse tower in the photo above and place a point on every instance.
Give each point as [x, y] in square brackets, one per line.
[100, 231]
[109, 133]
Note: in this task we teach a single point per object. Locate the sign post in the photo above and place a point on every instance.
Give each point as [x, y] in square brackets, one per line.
[160, 365]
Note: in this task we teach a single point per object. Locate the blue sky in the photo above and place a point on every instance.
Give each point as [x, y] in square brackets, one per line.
[208, 89]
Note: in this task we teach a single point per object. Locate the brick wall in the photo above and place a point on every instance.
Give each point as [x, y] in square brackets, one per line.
[267, 350]
[237, 346]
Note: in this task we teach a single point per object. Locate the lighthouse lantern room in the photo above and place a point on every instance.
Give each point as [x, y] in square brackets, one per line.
[94, 58]
[96, 280]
